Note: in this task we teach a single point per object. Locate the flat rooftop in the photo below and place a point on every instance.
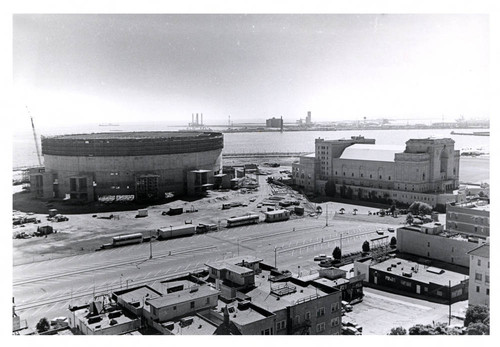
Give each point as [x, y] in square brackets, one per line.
[384, 153]
[199, 326]
[421, 274]
[240, 317]
[262, 296]
[223, 265]
[183, 296]
[243, 258]
[104, 323]
[139, 294]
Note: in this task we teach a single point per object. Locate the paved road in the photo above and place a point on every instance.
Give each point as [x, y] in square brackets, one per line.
[46, 288]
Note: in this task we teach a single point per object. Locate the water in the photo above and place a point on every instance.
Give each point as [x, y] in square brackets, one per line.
[286, 142]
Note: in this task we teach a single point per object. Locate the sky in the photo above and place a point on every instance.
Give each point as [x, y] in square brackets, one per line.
[72, 69]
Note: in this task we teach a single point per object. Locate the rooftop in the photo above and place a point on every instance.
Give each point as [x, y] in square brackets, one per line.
[420, 272]
[371, 152]
[134, 135]
[263, 297]
[139, 294]
[481, 251]
[224, 265]
[182, 296]
[243, 258]
[240, 316]
[105, 321]
[198, 326]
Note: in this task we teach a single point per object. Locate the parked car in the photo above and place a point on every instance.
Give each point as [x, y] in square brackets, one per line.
[380, 232]
[346, 306]
[326, 263]
[320, 257]
[391, 230]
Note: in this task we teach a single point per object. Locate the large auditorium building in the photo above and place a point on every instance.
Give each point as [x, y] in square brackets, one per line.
[146, 165]
[424, 170]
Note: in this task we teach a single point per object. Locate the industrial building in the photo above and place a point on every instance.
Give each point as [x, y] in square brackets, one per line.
[274, 123]
[144, 165]
[425, 170]
[433, 242]
[412, 278]
[479, 275]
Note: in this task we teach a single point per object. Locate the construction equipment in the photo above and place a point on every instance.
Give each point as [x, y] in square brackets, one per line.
[35, 138]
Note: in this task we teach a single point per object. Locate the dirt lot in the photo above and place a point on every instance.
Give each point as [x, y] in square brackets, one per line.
[85, 231]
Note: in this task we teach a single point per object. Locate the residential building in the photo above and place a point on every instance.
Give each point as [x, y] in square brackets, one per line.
[470, 217]
[479, 275]
[432, 241]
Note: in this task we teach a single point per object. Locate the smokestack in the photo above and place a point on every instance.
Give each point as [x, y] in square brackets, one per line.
[197, 119]
[202, 119]
[192, 118]
[281, 123]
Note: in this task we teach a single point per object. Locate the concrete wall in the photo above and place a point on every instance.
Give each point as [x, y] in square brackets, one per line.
[434, 246]
[479, 288]
[108, 172]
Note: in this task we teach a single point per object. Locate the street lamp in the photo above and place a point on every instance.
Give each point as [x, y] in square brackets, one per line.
[150, 245]
[275, 249]
[129, 281]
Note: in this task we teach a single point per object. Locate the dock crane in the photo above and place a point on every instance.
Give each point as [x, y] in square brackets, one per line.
[35, 138]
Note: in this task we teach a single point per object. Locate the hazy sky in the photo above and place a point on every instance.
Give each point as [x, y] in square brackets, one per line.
[107, 68]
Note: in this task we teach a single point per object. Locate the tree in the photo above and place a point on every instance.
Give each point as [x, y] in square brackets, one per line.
[337, 253]
[393, 209]
[42, 325]
[420, 208]
[409, 219]
[476, 314]
[366, 247]
[478, 328]
[393, 241]
[354, 211]
[330, 189]
[398, 331]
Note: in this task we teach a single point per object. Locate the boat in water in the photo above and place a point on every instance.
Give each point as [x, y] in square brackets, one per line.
[473, 152]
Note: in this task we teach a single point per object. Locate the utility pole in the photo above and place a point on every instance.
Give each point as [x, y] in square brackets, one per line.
[341, 241]
[326, 214]
[449, 302]
[150, 245]
[275, 249]
[238, 247]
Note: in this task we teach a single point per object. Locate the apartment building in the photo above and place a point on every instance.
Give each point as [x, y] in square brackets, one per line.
[479, 273]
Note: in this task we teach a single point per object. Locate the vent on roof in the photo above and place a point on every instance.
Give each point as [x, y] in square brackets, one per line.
[193, 289]
[169, 325]
[96, 319]
[243, 305]
[389, 268]
[186, 321]
[114, 314]
[407, 274]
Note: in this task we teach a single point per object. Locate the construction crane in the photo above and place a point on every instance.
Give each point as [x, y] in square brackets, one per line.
[35, 138]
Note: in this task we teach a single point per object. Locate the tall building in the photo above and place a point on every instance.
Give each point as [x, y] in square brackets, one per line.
[479, 275]
[425, 170]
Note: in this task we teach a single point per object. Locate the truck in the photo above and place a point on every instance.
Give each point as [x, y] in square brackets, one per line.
[177, 231]
[203, 228]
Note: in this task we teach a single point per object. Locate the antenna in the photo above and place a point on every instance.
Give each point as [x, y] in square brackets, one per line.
[35, 138]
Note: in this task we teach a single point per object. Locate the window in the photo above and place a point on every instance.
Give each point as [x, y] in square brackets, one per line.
[428, 244]
[308, 315]
[320, 312]
[380, 176]
[192, 304]
[487, 291]
[335, 322]
[479, 262]
[479, 277]
[389, 178]
[335, 306]
[175, 308]
[208, 301]
[281, 325]
[297, 319]
[487, 278]
[439, 293]
[320, 327]
[370, 176]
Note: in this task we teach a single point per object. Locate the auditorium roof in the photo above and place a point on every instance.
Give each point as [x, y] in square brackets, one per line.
[371, 152]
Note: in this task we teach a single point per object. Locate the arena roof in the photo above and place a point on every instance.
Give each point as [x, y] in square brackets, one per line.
[371, 152]
[133, 135]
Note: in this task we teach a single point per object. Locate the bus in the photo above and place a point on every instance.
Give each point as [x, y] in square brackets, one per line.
[126, 239]
[243, 220]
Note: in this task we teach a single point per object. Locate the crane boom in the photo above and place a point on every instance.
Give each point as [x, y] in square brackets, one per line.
[35, 138]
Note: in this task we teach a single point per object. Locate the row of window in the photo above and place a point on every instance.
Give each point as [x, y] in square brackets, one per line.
[479, 278]
[478, 290]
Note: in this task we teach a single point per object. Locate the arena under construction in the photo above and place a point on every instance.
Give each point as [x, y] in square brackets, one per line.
[142, 165]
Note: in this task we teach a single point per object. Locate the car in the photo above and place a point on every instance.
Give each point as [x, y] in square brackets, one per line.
[326, 263]
[320, 257]
[391, 230]
[259, 205]
[350, 331]
[380, 232]
[346, 306]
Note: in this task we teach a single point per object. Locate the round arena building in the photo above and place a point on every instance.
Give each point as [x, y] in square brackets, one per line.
[146, 165]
